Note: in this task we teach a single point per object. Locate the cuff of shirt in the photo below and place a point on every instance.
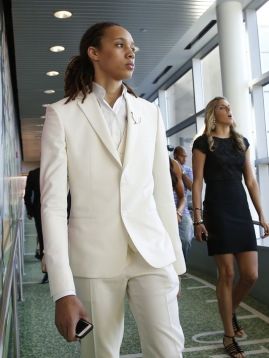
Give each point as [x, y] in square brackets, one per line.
[63, 294]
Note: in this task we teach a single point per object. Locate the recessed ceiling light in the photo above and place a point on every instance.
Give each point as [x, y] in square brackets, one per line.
[52, 73]
[57, 48]
[49, 91]
[63, 14]
[45, 105]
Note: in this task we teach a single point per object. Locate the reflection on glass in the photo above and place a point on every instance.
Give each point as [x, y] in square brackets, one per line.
[263, 30]
[10, 162]
[180, 101]
[211, 75]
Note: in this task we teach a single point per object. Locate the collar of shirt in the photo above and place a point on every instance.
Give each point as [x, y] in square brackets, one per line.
[100, 94]
[115, 117]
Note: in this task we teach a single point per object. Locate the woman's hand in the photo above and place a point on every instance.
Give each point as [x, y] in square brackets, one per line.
[265, 227]
[199, 231]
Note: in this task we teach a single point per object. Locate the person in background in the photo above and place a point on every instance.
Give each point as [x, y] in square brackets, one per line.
[180, 155]
[109, 147]
[32, 203]
[178, 188]
[221, 157]
[185, 225]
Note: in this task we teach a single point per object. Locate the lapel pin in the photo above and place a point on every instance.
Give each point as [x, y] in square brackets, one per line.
[136, 119]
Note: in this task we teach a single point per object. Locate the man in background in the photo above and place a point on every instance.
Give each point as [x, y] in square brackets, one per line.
[185, 226]
[32, 203]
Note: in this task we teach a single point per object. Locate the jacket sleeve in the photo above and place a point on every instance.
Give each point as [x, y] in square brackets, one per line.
[163, 194]
[28, 194]
[53, 187]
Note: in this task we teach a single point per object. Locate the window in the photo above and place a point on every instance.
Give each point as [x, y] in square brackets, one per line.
[211, 75]
[156, 101]
[263, 30]
[266, 112]
[180, 101]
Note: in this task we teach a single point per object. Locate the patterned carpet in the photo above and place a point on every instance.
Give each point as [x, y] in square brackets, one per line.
[198, 314]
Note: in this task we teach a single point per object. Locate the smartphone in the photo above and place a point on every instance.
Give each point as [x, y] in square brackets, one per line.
[82, 328]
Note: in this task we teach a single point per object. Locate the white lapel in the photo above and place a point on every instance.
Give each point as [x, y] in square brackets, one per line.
[94, 115]
[133, 125]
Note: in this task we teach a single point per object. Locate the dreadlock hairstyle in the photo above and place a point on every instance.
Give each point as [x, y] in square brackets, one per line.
[79, 73]
[210, 125]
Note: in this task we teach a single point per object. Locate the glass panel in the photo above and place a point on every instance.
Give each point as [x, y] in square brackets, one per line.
[211, 75]
[185, 139]
[263, 30]
[156, 101]
[266, 111]
[180, 101]
[200, 122]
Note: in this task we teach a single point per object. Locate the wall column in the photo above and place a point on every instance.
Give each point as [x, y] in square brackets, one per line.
[233, 60]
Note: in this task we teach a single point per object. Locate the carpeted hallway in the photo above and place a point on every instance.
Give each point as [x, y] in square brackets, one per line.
[198, 313]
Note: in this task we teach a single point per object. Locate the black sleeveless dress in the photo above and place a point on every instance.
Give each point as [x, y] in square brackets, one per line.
[226, 212]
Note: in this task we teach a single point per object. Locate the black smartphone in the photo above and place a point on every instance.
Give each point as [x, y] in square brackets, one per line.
[204, 237]
[82, 328]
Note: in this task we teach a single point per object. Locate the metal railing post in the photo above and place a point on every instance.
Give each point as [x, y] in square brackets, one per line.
[20, 260]
[15, 317]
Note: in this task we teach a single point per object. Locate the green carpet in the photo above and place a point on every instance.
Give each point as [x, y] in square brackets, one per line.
[198, 313]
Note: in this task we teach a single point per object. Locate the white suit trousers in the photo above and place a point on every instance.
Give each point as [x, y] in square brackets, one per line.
[152, 296]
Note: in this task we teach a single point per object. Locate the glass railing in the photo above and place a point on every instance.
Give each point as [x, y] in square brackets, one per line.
[12, 290]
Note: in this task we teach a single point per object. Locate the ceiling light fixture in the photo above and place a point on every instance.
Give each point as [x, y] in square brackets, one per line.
[63, 14]
[57, 48]
[52, 73]
[45, 105]
[49, 91]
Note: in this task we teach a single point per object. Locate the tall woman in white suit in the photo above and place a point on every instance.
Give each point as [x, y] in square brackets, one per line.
[109, 148]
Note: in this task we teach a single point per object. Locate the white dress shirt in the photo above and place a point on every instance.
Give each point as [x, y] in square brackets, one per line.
[115, 116]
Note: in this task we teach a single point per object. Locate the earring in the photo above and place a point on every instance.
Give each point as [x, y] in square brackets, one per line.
[213, 124]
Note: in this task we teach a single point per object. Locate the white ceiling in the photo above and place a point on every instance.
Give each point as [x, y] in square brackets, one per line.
[161, 30]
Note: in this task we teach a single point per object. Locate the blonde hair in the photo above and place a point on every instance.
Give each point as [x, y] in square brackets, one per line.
[210, 125]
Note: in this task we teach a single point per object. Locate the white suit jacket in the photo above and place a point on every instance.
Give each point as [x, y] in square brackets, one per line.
[109, 198]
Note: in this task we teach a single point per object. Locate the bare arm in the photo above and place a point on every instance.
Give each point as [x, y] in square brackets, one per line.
[198, 162]
[254, 192]
[187, 181]
[179, 188]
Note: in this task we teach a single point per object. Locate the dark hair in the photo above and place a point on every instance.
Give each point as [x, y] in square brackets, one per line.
[79, 73]
[178, 150]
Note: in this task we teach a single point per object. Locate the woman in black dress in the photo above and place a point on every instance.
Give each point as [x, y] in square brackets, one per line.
[221, 157]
